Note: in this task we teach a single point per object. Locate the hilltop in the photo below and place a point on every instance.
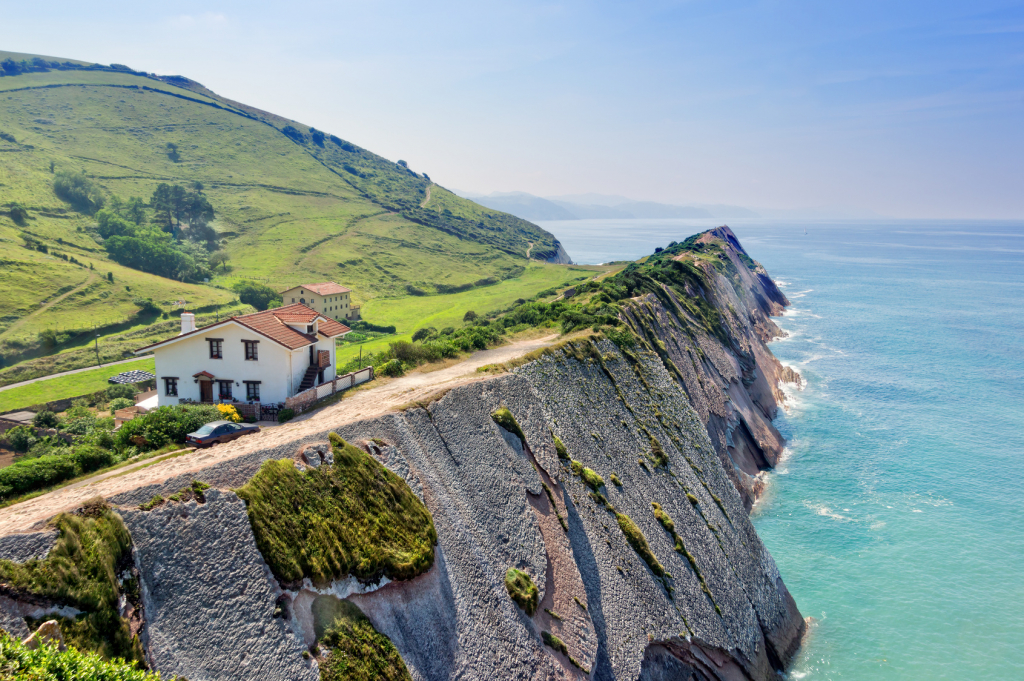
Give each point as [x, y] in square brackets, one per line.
[290, 203]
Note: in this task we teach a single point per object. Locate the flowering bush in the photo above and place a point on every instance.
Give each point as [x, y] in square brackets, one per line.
[229, 413]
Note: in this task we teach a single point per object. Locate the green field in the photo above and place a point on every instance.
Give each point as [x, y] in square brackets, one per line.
[61, 387]
[289, 210]
[410, 313]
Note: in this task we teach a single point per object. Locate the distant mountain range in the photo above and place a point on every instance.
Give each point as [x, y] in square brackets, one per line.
[597, 206]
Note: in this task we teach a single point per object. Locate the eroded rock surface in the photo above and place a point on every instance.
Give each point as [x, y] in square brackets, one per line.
[208, 597]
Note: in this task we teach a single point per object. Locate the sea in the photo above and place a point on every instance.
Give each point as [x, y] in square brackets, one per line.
[896, 515]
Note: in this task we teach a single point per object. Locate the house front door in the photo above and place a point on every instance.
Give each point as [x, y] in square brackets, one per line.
[206, 391]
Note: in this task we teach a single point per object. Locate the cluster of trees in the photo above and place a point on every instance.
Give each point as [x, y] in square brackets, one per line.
[82, 193]
[169, 236]
[260, 296]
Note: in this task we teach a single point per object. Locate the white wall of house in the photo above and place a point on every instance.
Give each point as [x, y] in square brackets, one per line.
[192, 355]
[279, 370]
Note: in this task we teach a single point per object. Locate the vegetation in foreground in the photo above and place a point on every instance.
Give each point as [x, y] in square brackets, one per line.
[82, 571]
[354, 517]
[47, 663]
[86, 442]
[355, 651]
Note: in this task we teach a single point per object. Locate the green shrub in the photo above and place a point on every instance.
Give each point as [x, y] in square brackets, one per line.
[615, 480]
[353, 518]
[423, 333]
[47, 662]
[21, 438]
[78, 190]
[45, 419]
[658, 454]
[165, 425]
[593, 480]
[121, 390]
[522, 590]
[392, 367]
[285, 415]
[29, 475]
[121, 403]
[358, 652]
[81, 571]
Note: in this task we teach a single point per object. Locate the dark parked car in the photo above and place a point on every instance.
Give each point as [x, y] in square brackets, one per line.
[220, 431]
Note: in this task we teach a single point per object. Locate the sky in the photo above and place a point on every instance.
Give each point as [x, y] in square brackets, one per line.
[901, 109]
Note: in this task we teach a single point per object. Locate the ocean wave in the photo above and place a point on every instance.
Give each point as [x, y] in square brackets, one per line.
[823, 510]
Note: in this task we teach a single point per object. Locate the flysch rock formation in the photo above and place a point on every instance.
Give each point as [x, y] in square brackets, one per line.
[682, 419]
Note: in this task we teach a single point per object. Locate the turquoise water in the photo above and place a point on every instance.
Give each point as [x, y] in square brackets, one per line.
[895, 516]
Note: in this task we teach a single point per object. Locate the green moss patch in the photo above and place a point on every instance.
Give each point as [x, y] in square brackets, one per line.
[81, 571]
[522, 590]
[503, 417]
[591, 478]
[355, 651]
[680, 548]
[637, 540]
[554, 642]
[353, 518]
[560, 449]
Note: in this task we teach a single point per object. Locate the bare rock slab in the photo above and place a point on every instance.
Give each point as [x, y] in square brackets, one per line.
[209, 598]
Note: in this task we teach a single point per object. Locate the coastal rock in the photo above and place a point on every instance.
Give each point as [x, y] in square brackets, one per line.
[208, 597]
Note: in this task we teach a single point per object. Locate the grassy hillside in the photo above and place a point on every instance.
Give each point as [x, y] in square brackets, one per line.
[292, 204]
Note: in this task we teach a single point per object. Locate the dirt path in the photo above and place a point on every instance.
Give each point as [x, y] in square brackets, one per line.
[528, 249]
[361, 404]
[46, 306]
[426, 200]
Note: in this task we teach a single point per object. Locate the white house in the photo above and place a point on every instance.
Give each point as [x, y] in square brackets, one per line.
[263, 357]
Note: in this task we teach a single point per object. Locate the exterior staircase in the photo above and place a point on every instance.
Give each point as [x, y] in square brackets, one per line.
[309, 380]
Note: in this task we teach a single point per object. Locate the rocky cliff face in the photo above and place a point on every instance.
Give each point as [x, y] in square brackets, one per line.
[625, 501]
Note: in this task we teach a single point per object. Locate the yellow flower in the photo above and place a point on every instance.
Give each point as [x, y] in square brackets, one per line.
[229, 412]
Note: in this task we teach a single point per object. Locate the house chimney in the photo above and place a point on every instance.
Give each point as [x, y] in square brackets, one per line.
[188, 322]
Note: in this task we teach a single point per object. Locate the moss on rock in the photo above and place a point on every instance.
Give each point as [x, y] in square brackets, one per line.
[503, 417]
[352, 518]
[522, 590]
[355, 651]
[82, 571]
[637, 540]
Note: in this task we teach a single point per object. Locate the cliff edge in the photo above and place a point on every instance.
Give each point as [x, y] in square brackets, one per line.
[590, 505]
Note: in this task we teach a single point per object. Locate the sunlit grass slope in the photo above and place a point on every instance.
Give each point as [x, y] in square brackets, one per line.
[293, 206]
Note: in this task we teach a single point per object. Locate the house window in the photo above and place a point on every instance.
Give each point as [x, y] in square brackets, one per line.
[216, 348]
[309, 329]
[252, 391]
[170, 386]
[225, 389]
[293, 300]
[250, 349]
[302, 300]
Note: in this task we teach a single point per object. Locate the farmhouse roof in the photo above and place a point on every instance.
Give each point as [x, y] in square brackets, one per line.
[273, 324]
[326, 288]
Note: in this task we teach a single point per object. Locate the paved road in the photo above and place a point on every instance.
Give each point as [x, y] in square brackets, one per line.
[382, 396]
[73, 371]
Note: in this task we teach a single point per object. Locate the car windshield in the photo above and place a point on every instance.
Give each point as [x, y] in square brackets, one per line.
[206, 430]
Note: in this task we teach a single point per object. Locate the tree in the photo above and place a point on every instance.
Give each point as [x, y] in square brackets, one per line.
[318, 137]
[109, 223]
[403, 164]
[161, 203]
[259, 296]
[197, 209]
[110, 277]
[172, 152]
[219, 258]
[469, 316]
[135, 210]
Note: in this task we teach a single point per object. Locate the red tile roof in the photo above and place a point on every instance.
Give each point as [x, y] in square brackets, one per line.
[326, 288]
[273, 324]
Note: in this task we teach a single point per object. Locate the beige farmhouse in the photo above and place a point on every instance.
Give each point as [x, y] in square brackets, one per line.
[329, 299]
[265, 357]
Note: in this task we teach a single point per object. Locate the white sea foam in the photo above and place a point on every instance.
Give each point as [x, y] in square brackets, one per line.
[823, 510]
